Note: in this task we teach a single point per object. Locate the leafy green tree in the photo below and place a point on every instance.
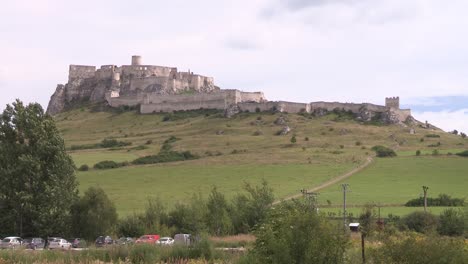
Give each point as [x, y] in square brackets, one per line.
[452, 222]
[94, 214]
[249, 210]
[131, 226]
[293, 234]
[37, 176]
[217, 218]
[189, 218]
[155, 217]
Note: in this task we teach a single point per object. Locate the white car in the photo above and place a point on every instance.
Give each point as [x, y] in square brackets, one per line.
[11, 242]
[59, 243]
[165, 241]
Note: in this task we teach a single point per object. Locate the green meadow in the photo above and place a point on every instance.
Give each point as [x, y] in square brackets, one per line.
[246, 148]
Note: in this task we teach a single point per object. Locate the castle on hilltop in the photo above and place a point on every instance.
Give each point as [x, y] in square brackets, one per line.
[165, 89]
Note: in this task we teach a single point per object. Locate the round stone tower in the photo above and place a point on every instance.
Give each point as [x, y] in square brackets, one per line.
[136, 60]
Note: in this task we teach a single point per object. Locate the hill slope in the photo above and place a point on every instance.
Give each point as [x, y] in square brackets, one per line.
[246, 148]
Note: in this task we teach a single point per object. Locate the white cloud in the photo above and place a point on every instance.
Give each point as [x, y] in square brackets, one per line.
[446, 120]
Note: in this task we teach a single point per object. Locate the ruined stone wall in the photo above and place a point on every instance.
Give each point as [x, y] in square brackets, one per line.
[124, 100]
[253, 106]
[146, 70]
[143, 83]
[81, 72]
[169, 103]
[252, 97]
[105, 72]
[402, 114]
[355, 108]
[291, 107]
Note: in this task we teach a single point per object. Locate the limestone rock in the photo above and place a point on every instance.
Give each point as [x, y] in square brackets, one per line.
[281, 121]
[412, 131]
[285, 130]
[389, 117]
[231, 111]
[365, 114]
[57, 100]
[220, 132]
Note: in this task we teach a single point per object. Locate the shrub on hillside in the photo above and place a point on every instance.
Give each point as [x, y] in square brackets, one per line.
[463, 153]
[418, 152]
[421, 222]
[441, 200]
[109, 164]
[83, 167]
[432, 136]
[452, 222]
[420, 249]
[166, 156]
[382, 151]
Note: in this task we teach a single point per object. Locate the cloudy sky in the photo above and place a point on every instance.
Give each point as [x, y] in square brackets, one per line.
[297, 50]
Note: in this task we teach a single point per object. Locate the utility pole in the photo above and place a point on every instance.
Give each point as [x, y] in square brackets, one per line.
[345, 189]
[425, 188]
[311, 198]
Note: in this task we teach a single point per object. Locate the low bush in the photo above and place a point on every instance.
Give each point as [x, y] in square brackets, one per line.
[441, 200]
[166, 156]
[105, 143]
[432, 136]
[180, 115]
[83, 167]
[452, 222]
[435, 145]
[421, 222]
[109, 164]
[418, 152]
[420, 250]
[382, 151]
[463, 153]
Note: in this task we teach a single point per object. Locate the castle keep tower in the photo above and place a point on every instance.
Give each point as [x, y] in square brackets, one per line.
[136, 60]
[392, 102]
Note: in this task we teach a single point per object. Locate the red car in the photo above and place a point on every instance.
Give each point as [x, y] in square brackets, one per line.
[148, 239]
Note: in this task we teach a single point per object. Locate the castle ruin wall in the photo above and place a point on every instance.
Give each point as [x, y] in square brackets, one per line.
[81, 72]
[252, 97]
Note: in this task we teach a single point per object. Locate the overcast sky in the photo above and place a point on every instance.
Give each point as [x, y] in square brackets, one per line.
[297, 50]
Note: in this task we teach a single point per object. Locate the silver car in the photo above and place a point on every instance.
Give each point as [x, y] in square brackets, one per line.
[11, 242]
[60, 243]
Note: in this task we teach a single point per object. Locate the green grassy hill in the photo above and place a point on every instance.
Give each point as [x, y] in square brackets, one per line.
[247, 148]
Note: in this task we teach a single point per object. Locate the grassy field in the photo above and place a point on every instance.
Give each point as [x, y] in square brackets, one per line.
[394, 181]
[247, 148]
[130, 187]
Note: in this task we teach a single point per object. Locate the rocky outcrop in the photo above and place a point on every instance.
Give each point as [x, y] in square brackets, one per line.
[57, 100]
[231, 111]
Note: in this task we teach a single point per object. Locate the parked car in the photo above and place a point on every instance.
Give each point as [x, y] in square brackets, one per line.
[165, 241]
[78, 242]
[182, 239]
[147, 239]
[125, 241]
[11, 242]
[103, 241]
[34, 243]
[59, 243]
[50, 239]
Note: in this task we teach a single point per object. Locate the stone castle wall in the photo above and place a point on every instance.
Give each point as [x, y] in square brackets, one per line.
[81, 72]
[169, 103]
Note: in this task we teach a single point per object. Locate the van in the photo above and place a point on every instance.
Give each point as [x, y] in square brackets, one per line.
[182, 239]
